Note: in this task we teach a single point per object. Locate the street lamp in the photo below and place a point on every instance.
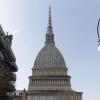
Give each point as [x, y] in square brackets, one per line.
[98, 35]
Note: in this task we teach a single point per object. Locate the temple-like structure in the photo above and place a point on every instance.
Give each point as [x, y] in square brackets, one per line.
[8, 66]
[50, 79]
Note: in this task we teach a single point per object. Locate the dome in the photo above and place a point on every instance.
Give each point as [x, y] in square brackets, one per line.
[49, 57]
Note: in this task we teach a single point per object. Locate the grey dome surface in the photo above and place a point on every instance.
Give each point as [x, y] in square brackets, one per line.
[49, 57]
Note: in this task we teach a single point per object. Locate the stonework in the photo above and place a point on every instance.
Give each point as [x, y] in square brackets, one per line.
[50, 79]
[8, 66]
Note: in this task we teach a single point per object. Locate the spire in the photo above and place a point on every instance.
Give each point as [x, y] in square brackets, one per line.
[50, 21]
[49, 34]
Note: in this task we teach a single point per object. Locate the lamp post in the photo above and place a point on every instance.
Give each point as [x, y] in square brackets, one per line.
[98, 35]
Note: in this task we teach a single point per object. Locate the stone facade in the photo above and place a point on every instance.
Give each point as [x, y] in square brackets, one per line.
[55, 95]
[8, 66]
[49, 78]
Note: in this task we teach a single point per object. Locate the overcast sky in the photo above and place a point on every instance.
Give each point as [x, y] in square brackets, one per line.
[74, 26]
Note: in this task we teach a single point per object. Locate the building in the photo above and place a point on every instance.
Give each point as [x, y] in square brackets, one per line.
[16, 95]
[50, 79]
[8, 65]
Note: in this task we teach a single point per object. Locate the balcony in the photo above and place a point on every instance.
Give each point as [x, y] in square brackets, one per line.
[12, 77]
[13, 67]
[11, 87]
[6, 87]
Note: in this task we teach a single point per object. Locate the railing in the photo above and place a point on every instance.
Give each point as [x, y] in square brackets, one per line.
[11, 86]
[12, 77]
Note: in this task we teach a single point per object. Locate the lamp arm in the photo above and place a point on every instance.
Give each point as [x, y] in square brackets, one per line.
[98, 29]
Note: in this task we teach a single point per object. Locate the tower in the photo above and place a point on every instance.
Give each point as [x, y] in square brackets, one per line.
[49, 79]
